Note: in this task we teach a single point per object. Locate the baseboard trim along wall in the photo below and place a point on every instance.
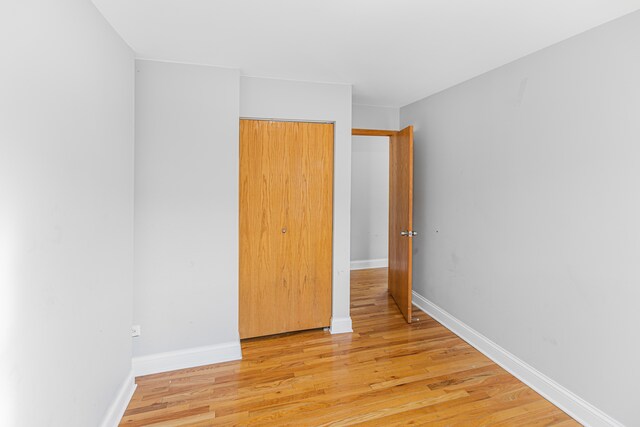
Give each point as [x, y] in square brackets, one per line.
[188, 358]
[369, 263]
[119, 405]
[341, 325]
[581, 410]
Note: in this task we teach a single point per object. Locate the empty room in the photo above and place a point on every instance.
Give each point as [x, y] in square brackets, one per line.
[319, 213]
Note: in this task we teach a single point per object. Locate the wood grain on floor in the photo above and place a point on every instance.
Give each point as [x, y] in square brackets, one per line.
[385, 373]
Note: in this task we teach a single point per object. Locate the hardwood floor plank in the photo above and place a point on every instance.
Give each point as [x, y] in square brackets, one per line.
[386, 373]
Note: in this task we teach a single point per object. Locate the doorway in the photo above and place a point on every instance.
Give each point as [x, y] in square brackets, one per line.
[367, 206]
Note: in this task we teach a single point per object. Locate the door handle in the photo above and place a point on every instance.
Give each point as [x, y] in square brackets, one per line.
[409, 233]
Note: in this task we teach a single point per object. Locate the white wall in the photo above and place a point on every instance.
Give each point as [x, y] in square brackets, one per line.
[66, 213]
[370, 186]
[526, 198]
[372, 117]
[186, 207]
[283, 99]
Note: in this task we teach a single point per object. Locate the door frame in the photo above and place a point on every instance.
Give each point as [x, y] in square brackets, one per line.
[373, 132]
[386, 133]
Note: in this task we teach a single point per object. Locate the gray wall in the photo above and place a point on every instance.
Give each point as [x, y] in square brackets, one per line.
[370, 184]
[66, 213]
[186, 206]
[186, 187]
[527, 200]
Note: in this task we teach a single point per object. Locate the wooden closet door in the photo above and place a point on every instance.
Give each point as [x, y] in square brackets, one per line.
[286, 226]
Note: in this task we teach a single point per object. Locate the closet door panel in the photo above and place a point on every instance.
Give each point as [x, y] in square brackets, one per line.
[311, 223]
[286, 211]
[262, 187]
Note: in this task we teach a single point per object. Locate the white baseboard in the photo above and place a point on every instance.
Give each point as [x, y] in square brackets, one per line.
[188, 358]
[341, 325]
[369, 263]
[581, 410]
[119, 405]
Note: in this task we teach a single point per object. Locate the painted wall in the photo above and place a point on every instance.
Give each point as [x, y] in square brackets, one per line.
[186, 206]
[66, 213]
[283, 99]
[526, 198]
[370, 186]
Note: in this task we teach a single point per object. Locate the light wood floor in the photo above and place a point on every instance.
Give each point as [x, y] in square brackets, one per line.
[386, 373]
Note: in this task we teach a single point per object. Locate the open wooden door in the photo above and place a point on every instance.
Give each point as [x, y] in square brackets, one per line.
[401, 219]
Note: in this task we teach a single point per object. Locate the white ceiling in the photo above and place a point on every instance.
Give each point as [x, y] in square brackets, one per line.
[394, 52]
